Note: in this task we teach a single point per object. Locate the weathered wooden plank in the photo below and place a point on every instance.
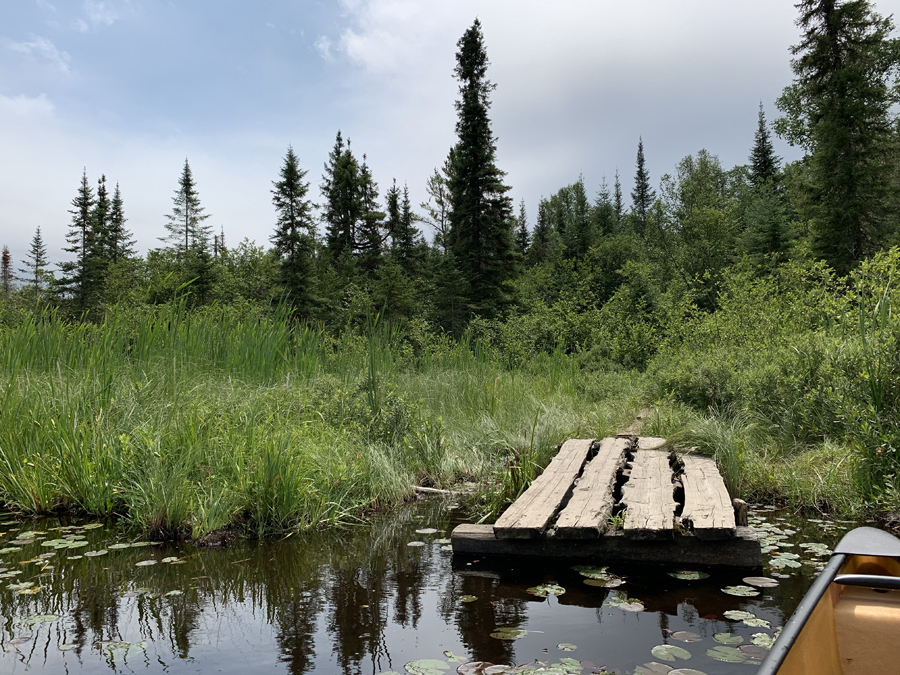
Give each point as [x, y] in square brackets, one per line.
[650, 442]
[529, 516]
[649, 496]
[741, 551]
[587, 513]
[708, 510]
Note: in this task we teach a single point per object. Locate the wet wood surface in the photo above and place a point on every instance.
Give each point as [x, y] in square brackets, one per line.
[708, 509]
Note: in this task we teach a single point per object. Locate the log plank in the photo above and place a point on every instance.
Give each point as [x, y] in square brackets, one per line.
[530, 515]
[708, 510]
[650, 497]
[587, 513]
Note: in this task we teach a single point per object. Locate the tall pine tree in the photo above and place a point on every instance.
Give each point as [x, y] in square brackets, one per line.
[35, 269]
[764, 164]
[79, 279]
[343, 205]
[643, 195]
[522, 237]
[119, 240]
[839, 109]
[481, 223]
[185, 224]
[295, 232]
[6, 272]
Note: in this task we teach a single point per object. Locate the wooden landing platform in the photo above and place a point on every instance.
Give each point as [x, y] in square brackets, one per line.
[625, 499]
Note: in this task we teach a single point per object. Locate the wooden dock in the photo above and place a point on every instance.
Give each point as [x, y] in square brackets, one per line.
[622, 499]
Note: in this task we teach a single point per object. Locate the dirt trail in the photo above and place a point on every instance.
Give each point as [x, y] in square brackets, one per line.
[634, 429]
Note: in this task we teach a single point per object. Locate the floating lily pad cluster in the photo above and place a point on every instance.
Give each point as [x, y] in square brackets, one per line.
[544, 590]
[623, 602]
[782, 550]
[598, 576]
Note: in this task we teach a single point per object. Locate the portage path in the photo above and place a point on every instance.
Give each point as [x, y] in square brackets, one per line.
[624, 499]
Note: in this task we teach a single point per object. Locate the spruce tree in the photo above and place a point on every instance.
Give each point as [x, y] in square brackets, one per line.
[407, 238]
[541, 239]
[643, 195]
[35, 269]
[522, 237]
[371, 231]
[764, 164]
[343, 204]
[78, 280]
[481, 226]
[6, 272]
[604, 214]
[185, 223]
[119, 241]
[295, 233]
[767, 237]
[839, 109]
[618, 205]
[437, 209]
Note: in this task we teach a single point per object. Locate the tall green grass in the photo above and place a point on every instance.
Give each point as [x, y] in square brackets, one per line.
[182, 421]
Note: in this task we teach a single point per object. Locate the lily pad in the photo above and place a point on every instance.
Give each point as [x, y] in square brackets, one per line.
[653, 668]
[442, 540]
[11, 574]
[591, 572]
[761, 582]
[427, 530]
[426, 667]
[21, 587]
[415, 544]
[474, 667]
[453, 658]
[544, 590]
[686, 671]
[145, 563]
[21, 542]
[633, 606]
[670, 652]
[753, 651]
[468, 598]
[94, 554]
[170, 559]
[566, 646]
[613, 582]
[116, 547]
[10, 549]
[738, 615]
[781, 562]
[30, 591]
[686, 636]
[447, 547]
[67, 647]
[757, 623]
[763, 640]
[509, 633]
[20, 640]
[39, 618]
[171, 594]
[728, 638]
[729, 654]
[91, 526]
[741, 591]
[688, 575]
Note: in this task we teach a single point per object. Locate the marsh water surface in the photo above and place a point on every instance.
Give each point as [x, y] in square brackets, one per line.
[389, 596]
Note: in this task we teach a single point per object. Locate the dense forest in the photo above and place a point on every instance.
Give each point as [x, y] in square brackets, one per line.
[751, 307]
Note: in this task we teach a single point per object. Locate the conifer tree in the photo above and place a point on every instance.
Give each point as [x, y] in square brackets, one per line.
[119, 241]
[839, 110]
[541, 239]
[767, 237]
[78, 280]
[185, 226]
[481, 223]
[481, 230]
[764, 164]
[618, 205]
[343, 206]
[643, 195]
[522, 237]
[437, 209]
[6, 272]
[604, 216]
[369, 242]
[295, 232]
[407, 240]
[35, 269]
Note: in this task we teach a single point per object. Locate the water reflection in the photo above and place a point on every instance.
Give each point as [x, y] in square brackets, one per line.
[357, 600]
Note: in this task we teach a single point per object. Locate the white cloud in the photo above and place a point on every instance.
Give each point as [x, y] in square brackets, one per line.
[323, 46]
[99, 13]
[44, 4]
[25, 106]
[41, 49]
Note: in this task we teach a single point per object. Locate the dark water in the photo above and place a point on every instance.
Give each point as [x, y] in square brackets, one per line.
[361, 601]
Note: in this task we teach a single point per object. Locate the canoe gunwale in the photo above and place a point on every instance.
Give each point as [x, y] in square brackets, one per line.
[796, 623]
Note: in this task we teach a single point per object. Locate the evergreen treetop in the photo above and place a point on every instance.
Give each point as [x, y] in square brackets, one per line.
[764, 164]
[643, 195]
[185, 223]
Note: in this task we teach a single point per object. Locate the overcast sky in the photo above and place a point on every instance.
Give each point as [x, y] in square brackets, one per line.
[130, 88]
